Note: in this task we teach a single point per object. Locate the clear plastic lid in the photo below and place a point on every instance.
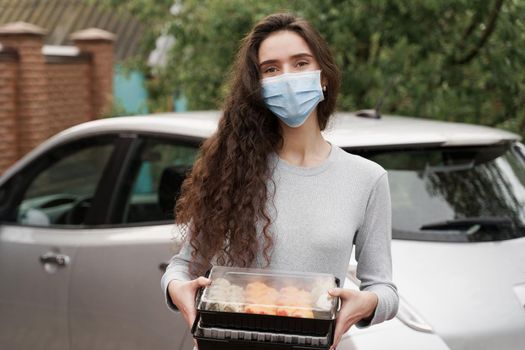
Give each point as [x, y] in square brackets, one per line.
[269, 292]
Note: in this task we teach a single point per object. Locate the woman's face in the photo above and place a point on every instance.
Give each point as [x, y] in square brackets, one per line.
[285, 52]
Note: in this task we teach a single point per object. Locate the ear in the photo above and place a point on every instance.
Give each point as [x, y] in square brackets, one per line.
[324, 82]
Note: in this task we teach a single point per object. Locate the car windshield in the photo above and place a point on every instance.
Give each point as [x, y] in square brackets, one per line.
[468, 194]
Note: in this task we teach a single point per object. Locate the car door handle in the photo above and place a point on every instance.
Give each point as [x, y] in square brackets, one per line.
[55, 258]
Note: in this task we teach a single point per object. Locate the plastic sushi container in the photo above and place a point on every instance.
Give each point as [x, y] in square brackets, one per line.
[281, 309]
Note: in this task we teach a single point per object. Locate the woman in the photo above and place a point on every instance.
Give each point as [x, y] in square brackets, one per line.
[267, 190]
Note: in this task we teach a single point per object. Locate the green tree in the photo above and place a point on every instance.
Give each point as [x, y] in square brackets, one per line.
[459, 60]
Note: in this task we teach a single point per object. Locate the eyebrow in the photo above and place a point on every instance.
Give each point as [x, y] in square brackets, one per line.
[299, 55]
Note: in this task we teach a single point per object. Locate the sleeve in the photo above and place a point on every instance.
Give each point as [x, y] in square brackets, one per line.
[177, 269]
[373, 254]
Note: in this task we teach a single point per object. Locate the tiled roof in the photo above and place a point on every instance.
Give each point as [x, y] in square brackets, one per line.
[63, 17]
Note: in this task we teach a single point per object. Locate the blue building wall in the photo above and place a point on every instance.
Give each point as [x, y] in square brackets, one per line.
[129, 91]
[131, 96]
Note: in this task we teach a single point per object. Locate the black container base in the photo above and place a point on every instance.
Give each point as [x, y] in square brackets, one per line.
[214, 344]
[232, 339]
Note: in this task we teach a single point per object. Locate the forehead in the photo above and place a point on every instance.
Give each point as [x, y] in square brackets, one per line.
[282, 45]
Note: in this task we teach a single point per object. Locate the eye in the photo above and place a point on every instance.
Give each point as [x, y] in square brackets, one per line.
[270, 70]
[302, 63]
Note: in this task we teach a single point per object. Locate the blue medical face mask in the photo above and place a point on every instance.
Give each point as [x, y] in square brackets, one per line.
[293, 96]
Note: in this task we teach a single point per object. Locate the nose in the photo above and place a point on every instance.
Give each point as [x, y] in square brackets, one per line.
[287, 68]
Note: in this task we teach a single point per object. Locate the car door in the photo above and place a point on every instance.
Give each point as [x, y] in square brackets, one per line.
[115, 298]
[43, 208]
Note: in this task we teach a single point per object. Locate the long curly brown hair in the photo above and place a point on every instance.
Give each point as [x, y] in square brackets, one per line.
[225, 195]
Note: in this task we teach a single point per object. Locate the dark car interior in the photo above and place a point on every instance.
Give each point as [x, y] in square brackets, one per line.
[167, 194]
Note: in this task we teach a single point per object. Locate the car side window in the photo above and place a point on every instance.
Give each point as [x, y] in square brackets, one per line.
[159, 170]
[61, 191]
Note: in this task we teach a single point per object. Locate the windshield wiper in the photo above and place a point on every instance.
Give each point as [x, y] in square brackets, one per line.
[473, 229]
[473, 224]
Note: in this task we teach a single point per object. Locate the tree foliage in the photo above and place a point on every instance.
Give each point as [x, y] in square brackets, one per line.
[459, 60]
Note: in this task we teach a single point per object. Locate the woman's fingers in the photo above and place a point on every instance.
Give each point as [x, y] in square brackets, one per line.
[340, 329]
[335, 343]
[192, 314]
[345, 318]
[340, 292]
[183, 296]
[201, 282]
[338, 333]
[335, 292]
[339, 323]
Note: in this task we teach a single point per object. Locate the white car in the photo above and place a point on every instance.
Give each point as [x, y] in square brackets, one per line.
[86, 230]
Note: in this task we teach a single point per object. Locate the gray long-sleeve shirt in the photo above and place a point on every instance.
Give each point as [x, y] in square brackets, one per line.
[319, 213]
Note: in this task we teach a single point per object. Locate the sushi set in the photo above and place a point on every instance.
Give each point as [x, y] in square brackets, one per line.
[265, 309]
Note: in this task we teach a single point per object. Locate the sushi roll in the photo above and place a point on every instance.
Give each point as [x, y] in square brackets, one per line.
[260, 299]
[224, 296]
[295, 302]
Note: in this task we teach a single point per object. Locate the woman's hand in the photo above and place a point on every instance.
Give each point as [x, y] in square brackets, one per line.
[355, 305]
[182, 293]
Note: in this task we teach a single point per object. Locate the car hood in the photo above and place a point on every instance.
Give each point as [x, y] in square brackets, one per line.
[468, 292]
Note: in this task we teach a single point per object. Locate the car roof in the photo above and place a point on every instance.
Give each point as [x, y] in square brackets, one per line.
[344, 130]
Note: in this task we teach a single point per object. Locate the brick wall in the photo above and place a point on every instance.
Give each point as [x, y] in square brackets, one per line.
[69, 93]
[8, 135]
[42, 94]
[102, 64]
[31, 89]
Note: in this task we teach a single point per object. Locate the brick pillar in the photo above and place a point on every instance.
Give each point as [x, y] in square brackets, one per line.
[8, 120]
[31, 100]
[99, 43]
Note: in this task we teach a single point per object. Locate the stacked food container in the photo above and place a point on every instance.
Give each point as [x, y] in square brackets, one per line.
[265, 309]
